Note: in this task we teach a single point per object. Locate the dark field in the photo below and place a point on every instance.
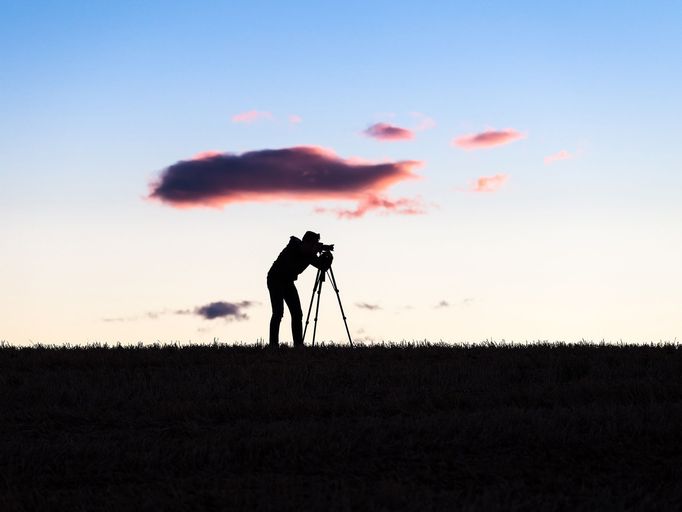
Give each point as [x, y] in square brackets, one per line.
[543, 427]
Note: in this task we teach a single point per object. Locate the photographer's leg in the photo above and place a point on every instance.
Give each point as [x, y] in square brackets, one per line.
[277, 302]
[294, 305]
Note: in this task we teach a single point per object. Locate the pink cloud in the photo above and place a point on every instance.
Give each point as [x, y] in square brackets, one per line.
[488, 183]
[304, 173]
[402, 206]
[294, 119]
[487, 139]
[387, 132]
[561, 155]
[251, 116]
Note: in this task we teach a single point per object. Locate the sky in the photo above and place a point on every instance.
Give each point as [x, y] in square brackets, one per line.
[486, 170]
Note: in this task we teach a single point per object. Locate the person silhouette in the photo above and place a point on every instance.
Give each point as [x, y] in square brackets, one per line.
[293, 260]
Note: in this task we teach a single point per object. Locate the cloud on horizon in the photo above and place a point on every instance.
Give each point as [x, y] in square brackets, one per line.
[251, 116]
[227, 310]
[388, 132]
[487, 139]
[365, 305]
[303, 173]
[220, 309]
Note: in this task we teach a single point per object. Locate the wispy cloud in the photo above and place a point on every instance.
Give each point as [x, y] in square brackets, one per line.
[304, 173]
[463, 303]
[115, 319]
[294, 119]
[402, 206]
[487, 139]
[370, 307]
[251, 116]
[561, 155]
[488, 183]
[388, 132]
[424, 122]
[149, 315]
[220, 309]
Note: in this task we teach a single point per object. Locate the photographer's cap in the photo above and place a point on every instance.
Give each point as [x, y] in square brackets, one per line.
[311, 236]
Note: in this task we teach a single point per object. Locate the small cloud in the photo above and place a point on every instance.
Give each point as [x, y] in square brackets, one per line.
[388, 132]
[468, 301]
[488, 183]
[402, 206]
[442, 304]
[116, 319]
[561, 155]
[227, 310]
[294, 119]
[149, 315]
[251, 116]
[487, 139]
[365, 305]
[424, 122]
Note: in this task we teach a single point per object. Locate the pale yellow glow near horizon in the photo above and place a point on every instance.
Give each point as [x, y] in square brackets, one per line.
[515, 278]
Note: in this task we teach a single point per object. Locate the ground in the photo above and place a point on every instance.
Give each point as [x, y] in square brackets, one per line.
[540, 427]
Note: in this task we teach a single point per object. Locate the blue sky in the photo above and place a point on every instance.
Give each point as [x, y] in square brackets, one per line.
[98, 98]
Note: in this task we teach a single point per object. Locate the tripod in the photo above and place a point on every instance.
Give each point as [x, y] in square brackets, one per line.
[318, 287]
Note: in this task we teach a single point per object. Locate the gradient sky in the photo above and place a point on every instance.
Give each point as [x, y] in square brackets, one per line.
[548, 205]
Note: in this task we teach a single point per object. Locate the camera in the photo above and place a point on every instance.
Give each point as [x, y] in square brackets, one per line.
[323, 247]
[326, 259]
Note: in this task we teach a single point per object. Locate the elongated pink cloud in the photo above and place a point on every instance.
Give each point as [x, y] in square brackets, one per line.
[251, 116]
[402, 206]
[294, 119]
[387, 132]
[487, 139]
[488, 183]
[561, 155]
[304, 173]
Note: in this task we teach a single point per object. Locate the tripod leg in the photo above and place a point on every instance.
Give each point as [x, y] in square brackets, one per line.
[317, 306]
[343, 314]
[307, 318]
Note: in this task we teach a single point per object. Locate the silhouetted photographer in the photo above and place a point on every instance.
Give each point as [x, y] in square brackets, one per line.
[293, 260]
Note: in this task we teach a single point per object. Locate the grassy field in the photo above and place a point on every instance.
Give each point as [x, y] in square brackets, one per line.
[541, 427]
